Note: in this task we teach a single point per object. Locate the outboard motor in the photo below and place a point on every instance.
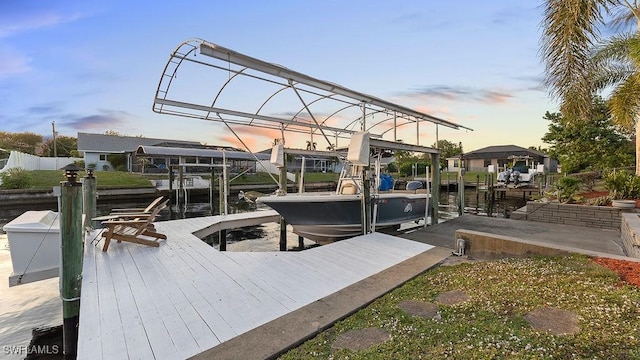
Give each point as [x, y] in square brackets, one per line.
[516, 177]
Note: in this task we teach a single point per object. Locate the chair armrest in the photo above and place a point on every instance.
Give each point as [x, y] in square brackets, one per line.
[121, 216]
[124, 222]
[128, 210]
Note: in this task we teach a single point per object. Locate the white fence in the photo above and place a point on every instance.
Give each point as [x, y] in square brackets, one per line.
[32, 162]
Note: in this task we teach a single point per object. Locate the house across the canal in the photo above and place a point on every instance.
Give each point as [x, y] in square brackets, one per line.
[499, 156]
[141, 154]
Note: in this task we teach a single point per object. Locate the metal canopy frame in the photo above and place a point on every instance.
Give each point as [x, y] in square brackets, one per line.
[338, 102]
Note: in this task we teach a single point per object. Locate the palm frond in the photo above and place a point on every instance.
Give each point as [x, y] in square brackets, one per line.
[615, 60]
[615, 48]
[609, 74]
[624, 102]
[625, 16]
[570, 29]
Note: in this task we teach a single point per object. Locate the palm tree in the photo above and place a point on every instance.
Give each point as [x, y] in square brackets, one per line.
[579, 63]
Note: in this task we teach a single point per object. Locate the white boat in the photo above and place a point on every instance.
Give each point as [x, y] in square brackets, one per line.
[331, 216]
[521, 173]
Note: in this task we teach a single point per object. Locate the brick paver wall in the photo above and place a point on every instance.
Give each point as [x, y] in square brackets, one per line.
[602, 217]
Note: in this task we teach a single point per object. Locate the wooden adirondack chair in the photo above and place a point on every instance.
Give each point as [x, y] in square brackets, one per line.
[139, 230]
[134, 213]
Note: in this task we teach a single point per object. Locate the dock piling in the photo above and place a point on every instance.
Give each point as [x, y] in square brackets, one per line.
[461, 191]
[172, 199]
[477, 192]
[283, 223]
[181, 199]
[435, 188]
[89, 199]
[222, 240]
[71, 244]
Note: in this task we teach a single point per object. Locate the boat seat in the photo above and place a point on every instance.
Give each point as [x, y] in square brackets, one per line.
[348, 187]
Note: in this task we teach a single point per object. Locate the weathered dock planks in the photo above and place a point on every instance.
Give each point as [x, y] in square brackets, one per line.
[185, 297]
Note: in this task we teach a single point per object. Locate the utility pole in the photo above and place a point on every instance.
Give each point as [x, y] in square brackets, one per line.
[55, 143]
[55, 149]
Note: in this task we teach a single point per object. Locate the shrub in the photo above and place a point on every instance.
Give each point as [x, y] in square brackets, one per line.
[588, 179]
[566, 188]
[622, 184]
[16, 178]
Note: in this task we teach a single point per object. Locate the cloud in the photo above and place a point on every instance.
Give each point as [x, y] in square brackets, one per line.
[43, 109]
[256, 138]
[106, 119]
[517, 18]
[13, 22]
[420, 21]
[534, 82]
[13, 63]
[460, 94]
[13, 25]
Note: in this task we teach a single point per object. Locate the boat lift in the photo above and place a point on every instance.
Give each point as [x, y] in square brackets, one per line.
[242, 91]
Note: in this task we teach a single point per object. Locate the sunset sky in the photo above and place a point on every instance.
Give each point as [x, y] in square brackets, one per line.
[93, 66]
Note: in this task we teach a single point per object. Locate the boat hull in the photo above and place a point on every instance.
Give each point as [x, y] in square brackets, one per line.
[328, 218]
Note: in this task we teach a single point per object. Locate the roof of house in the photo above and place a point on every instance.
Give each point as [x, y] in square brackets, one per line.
[121, 144]
[192, 152]
[501, 152]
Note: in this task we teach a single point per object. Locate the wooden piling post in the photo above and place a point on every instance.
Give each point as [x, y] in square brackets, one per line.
[300, 243]
[283, 223]
[172, 199]
[89, 199]
[222, 240]
[366, 196]
[460, 192]
[477, 192]
[71, 244]
[180, 185]
[435, 187]
[221, 194]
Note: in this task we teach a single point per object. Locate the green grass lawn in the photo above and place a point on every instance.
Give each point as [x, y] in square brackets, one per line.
[491, 323]
[46, 179]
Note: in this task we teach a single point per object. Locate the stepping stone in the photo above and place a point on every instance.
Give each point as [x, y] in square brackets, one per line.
[553, 320]
[420, 308]
[452, 297]
[361, 339]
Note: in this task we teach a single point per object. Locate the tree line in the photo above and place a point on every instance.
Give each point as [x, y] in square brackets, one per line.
[35, 144]
[597, 142]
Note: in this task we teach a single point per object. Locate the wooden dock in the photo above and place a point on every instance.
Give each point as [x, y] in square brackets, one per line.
[185, 297]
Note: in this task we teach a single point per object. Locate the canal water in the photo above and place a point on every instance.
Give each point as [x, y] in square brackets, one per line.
[266, 237]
